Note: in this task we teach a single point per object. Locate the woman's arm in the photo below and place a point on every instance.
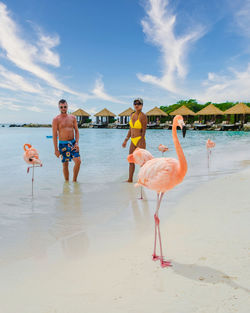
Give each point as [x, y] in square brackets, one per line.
[144, 125]
[142, 143]
[126, 139]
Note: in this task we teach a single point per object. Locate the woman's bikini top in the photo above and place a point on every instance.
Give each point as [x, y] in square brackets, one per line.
[137, 123]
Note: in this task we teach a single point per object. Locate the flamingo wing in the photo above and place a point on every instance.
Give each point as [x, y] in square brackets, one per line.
[160, 174]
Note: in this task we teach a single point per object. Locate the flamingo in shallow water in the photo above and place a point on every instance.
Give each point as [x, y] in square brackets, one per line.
[161, 175]
[162, 148]
[140, 157]
[210, 145]
[31, 156]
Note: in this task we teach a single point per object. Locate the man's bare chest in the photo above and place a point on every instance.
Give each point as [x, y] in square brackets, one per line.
[65, 123]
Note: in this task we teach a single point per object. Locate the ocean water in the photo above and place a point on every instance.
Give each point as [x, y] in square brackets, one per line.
[73, 220]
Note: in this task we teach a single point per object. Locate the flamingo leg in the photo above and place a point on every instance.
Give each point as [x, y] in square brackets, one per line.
[164, 263]
[33, 169]
[156, 257]
[208, 157]
[141, 197]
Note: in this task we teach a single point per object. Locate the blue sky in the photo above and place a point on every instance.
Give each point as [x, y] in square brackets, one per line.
[97, 54]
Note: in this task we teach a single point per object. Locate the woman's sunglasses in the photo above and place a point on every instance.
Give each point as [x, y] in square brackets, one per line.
[137, 103]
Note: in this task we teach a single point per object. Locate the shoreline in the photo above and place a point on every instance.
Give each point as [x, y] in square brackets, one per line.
[225, 127]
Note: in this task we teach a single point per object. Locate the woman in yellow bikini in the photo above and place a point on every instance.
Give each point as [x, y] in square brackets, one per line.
[137, 130]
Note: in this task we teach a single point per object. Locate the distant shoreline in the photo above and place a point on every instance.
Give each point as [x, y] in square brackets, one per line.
[196, 127]
[26, 125]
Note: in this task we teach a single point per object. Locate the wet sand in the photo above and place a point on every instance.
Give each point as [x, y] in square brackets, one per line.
[206, 235]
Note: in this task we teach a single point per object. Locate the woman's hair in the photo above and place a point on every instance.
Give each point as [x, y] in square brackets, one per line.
[138, 100]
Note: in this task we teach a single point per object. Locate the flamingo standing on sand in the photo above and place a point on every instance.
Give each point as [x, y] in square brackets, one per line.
[209, 144]
[161, 175]
[162, 148]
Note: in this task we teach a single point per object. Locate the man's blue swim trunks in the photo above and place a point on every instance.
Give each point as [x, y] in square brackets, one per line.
[65, 150]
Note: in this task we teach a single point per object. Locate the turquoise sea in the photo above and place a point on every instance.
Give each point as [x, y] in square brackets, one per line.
[76, 219]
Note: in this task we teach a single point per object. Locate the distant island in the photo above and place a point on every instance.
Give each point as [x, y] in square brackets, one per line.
[30, 125]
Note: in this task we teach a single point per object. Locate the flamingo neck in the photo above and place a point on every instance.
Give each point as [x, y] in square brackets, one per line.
[179, 151]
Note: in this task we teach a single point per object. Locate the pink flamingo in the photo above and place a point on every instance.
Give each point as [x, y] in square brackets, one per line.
[162, 148]
[140, 157]
[31, 156]
[209, 144]
[161, 175]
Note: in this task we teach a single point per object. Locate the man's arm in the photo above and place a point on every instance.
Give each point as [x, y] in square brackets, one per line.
[54, 132]
[76, 147]
[76, 130]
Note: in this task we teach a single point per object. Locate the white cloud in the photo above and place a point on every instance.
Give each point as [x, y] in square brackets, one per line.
[7, 99]
[100, 93]
[46, 55]
[26, 55]
[92, 111]
[12, 81]
[233, 84]
[29, 56]
[31, 102]
[73, 107]
[241, 15]
[159, 26]
[34, 108]
[231, 87]
[14, 107]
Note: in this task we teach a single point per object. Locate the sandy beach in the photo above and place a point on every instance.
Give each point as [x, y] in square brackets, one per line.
[83, 84]
[206, 238]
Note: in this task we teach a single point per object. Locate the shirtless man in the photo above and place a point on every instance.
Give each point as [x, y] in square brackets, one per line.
[65, 127]
[137, 131]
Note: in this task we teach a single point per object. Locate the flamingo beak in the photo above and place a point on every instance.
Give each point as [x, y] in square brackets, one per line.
[37, 161]
[130, 158]
[184, 129]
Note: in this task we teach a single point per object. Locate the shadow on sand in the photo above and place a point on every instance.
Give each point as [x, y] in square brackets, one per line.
[206, 274]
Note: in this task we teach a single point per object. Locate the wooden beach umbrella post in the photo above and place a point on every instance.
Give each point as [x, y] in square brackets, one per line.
[105, 115]
[209, 112]
[155, 114]
[81, 116]
[239, 110]
[184, 111]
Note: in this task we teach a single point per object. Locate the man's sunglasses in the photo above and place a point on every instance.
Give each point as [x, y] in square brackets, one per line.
[63, 107]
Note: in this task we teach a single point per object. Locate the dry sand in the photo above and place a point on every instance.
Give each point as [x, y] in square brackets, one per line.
[207, 239]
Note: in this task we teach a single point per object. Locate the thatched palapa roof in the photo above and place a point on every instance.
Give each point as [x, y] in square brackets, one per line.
[211, 109]
[127, 112]
[183, 110]
[105, 112]
[156, 112]
[80, 112]
[240, 108]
